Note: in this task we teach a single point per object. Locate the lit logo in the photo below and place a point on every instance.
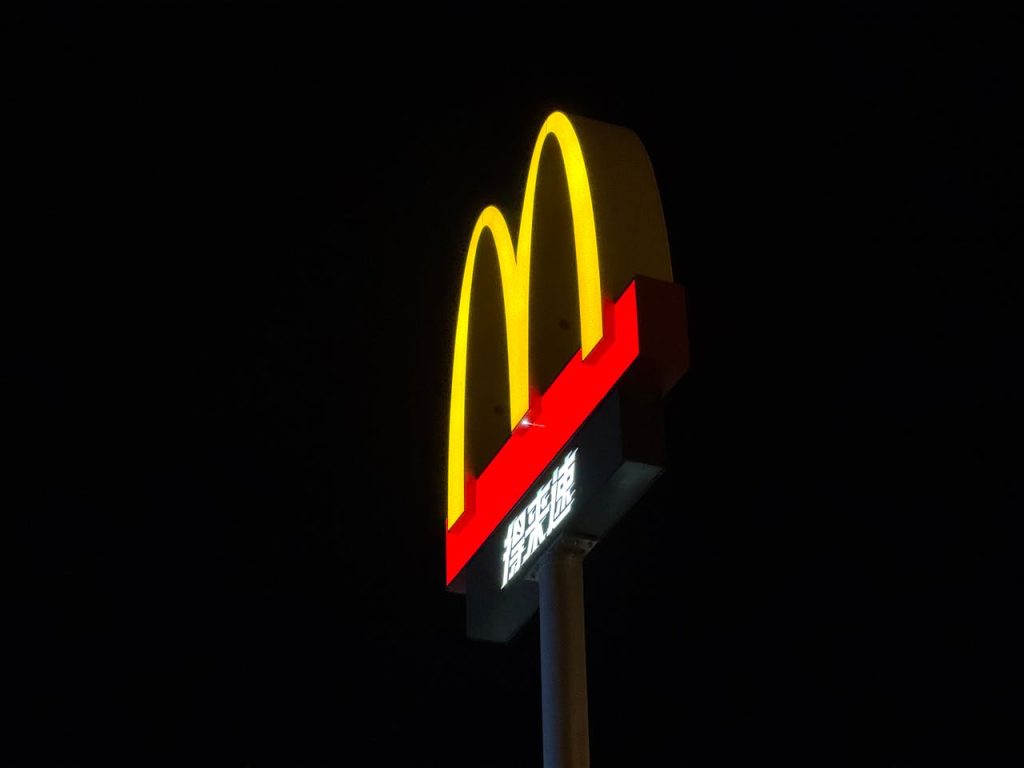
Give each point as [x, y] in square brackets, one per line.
[542, 423]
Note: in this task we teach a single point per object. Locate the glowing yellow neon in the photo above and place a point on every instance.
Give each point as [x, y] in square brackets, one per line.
[514, 267]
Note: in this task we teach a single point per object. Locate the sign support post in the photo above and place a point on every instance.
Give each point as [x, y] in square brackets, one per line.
[563, 656]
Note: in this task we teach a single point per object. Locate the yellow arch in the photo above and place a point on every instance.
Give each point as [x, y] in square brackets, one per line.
[514, 267]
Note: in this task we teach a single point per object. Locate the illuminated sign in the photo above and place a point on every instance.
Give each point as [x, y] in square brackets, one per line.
[590, 260]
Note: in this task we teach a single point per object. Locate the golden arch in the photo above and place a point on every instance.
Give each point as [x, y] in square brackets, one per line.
[514, 268]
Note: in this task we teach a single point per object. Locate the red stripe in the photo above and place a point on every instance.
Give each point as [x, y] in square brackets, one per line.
[571, 398]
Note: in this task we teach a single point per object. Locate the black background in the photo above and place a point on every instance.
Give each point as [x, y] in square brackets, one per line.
[229, 317]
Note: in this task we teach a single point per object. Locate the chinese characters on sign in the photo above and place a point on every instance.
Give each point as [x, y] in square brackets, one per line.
[542, 515]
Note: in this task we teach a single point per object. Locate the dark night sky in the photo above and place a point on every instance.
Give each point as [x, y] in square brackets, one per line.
[226, 368]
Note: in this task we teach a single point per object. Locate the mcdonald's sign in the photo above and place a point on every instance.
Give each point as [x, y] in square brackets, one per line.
[566, 340]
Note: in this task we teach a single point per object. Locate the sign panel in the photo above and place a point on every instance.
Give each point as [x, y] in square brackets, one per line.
[582, 440]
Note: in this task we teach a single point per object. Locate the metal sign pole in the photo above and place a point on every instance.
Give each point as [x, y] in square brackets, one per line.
[563, 657]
